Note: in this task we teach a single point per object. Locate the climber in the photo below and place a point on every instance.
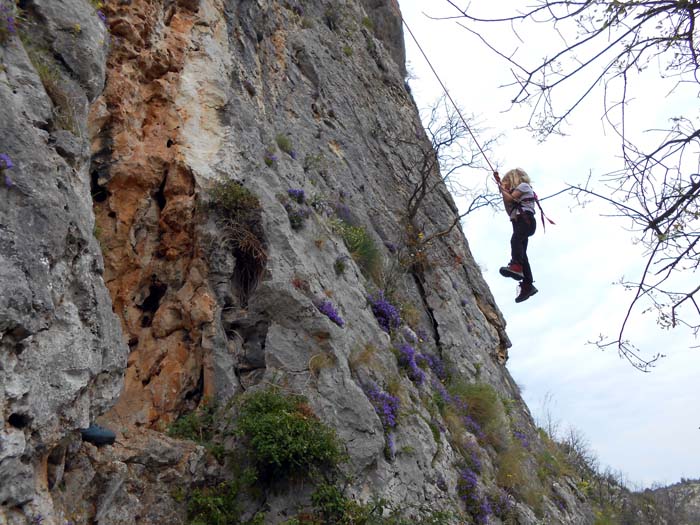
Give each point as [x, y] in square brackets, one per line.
[519, 200]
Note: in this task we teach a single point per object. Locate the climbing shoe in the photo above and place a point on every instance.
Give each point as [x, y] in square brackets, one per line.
[526, 291]
[98, 435]
[513, 270]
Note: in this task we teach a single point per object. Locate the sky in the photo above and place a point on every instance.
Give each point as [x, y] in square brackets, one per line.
[644, 425]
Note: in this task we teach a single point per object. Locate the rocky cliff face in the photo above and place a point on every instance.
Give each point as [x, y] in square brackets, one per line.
[250, 166]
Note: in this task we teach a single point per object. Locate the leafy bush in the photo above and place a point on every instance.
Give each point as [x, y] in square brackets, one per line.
[482, 410]
[363, 250]
[284, 143]
[331, 507]
[200, 426]
[240, 220]
[214, 505]
[283, 436]
[64, 106]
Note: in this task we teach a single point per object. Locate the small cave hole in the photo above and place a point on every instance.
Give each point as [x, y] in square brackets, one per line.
[169, 144]
[99, 192]
[159, 196]
[18, 420]
[150, 304]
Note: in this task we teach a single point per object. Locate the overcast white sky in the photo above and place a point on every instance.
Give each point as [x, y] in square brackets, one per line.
[645, 425]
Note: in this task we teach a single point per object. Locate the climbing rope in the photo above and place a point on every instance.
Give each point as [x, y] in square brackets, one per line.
[447, 93]
[464, 121]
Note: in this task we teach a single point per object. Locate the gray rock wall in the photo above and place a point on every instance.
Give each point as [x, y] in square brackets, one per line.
[62, 356]
[276, 96]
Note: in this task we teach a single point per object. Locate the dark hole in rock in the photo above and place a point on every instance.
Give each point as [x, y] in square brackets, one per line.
[160, 194]
[18, 420]
[170, 143]
[150, 304]
[99, 192]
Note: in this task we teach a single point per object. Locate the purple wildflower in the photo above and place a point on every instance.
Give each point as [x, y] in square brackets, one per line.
[270, 158]
[464, 302]
[476, 504]
[407, 361]
[102, 17]
[5, 162]
[522, 437]
[422, 335]
[391, 247]
[342, 211]
[8, 181]
[293, 154]
[387, 314]
[327, 309]
[297, 195]
[297, 215]
[434, 363]
[501, 503]
[444, 396]
[385, 405]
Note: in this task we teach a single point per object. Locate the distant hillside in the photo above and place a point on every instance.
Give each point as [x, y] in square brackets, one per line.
[679, 504]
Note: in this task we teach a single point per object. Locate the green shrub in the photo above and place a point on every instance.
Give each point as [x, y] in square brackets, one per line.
[347, 50]
[214, 505]
[64, 116]
[331, 507]
[283, 436]
[363, 249]
[235, 200]
[200, 426]
[483, 406]
[284, 143]
[239, 217]
[516, 478]
[367, 22]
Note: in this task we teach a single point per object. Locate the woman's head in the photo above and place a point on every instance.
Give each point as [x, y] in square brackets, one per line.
[515, 177]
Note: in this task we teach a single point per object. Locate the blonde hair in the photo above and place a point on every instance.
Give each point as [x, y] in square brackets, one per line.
[515, 177]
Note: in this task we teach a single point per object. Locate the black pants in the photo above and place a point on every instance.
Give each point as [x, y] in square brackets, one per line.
[523, 227]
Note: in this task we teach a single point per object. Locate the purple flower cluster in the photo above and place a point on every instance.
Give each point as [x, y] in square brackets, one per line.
[522, 437]
[102, 17]
[387, 314]
[326, 308]
[476, 504]
[6, 164]
[7, 18]
[501, 503]
[297, 215]
[469, 422]
[342, 211]
[443, 395]
[434, 363]
[471, 456]
[270, 158]
[385, 405]
[297, 195]
[387, 408]
[407, 361]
